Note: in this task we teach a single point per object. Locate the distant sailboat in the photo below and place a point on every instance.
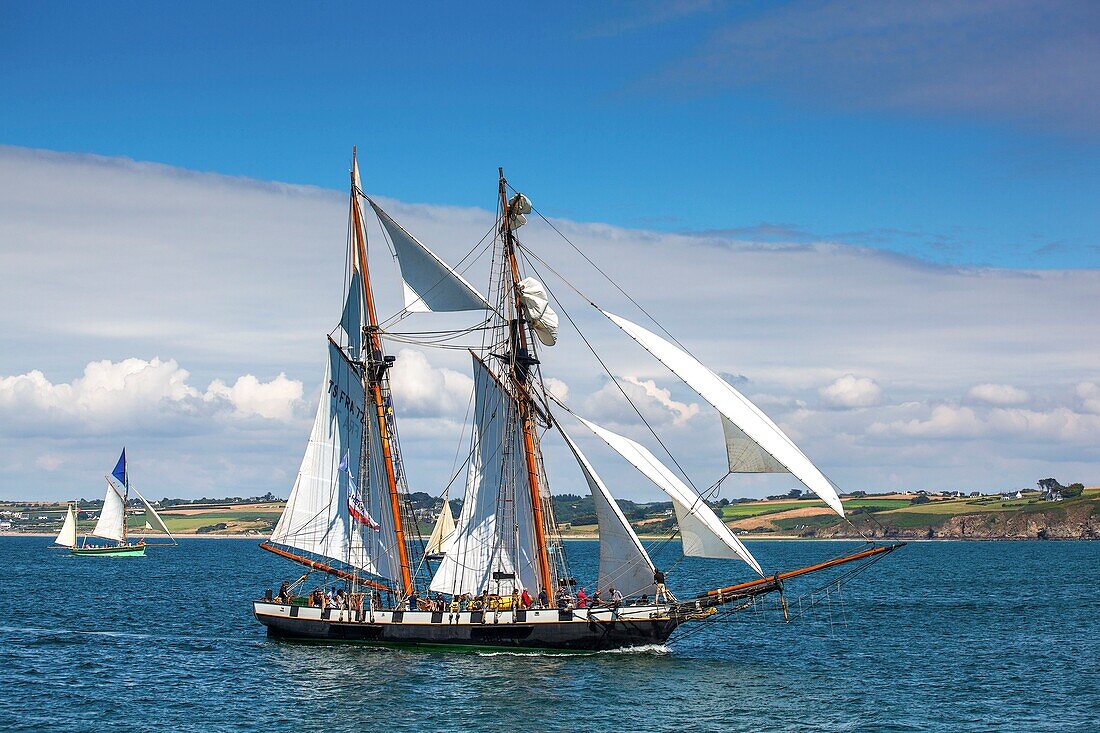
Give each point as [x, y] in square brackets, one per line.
[111, 524]
[442, 539]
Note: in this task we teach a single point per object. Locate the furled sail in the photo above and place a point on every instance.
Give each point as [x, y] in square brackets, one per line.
[744, 454]
[443, 534]
[736, 407]
[497, 467]
[317, 518]
[702, 533]
[543, 319]
[624, 563]
[112, 517]
[152, 518]
[67, 535]
[429, 283]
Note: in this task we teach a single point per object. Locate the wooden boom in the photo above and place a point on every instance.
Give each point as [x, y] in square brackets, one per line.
[314, 565]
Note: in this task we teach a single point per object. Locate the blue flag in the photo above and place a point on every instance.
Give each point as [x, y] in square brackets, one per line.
[120, 469]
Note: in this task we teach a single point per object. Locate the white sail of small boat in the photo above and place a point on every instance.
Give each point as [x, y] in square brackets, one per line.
[67, 536]
[153, 521]
[112, 517]
[442, 539]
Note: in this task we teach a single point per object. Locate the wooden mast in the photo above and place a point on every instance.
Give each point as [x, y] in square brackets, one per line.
[523, 399]
[374, 383]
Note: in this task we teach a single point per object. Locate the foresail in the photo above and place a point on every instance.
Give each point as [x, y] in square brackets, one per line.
[112, 516]
[624, 563]
[67, 535]
[702, 533]
[736, 407]
[351, 320]
[496, 466]
[429, 283]
[316, 518]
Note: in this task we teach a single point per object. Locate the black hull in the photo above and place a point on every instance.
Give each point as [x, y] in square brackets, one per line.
[578, 635]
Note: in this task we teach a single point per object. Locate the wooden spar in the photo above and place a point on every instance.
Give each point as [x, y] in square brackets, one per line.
[314, 565]
[780, 577]
[375, 383]
[524, 402]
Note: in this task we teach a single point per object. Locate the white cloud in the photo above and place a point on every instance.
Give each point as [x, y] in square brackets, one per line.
[1089, 392]
[998, 394]
[852, 391]
[655, 403]
[135, 394]
[275, 400]
[424, 390]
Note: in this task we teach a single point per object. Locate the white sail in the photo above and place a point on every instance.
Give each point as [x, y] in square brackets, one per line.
[316, 518]
[429, 283]
[702, 533]
[67, 535]
[543, 319]
[112, 517]
[624, 563]
[744, 454]
[736, 407]
[497, 465]
[443, 534]
[152, 518]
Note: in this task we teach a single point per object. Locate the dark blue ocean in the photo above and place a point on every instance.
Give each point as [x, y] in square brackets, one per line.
[937, 637]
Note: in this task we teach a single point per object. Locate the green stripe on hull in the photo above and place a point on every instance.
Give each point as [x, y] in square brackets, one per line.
[109, 551]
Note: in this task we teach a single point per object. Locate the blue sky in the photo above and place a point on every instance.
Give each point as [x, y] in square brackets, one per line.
[965, 136]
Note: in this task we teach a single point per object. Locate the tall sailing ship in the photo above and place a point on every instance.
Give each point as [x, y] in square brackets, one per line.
[475, 582]
[111, 525]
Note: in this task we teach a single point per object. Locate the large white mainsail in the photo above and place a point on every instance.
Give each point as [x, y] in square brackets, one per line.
[624, 563]
[702, 533]
[67, 536]
[112, 517]
[736, 407]
[443, 534]
[497, 465]
[316, 518]
[429, 283]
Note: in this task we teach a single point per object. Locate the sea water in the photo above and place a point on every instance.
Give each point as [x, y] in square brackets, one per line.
[939, 636]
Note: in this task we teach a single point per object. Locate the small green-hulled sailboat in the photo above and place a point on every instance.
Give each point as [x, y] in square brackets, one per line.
[111, 524]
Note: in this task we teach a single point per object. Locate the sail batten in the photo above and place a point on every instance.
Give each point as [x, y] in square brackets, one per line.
[702, 533]
[746, 416]
[624, 563]
[429, 283]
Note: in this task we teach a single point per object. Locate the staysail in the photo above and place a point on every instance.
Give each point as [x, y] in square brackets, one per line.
[67, 535]
[152, 518]
[497, 466]
[624, 563]
[744, 454]
[112, 517]
[702, 533]
[317, 519]
[429, 283]
[736, 408]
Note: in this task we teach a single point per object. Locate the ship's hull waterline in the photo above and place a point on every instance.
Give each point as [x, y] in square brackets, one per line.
[121, 551]
[546, 629]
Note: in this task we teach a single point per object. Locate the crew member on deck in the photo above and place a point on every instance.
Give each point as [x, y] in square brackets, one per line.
[661, 592]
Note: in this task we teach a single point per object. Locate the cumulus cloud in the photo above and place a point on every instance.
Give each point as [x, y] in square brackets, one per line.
[135, 394]
[851, 391]
[998, 394]
[1089, 392]
[425, 390]
[655, 403]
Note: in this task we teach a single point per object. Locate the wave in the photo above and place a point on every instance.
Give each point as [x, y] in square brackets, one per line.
[652, 649]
